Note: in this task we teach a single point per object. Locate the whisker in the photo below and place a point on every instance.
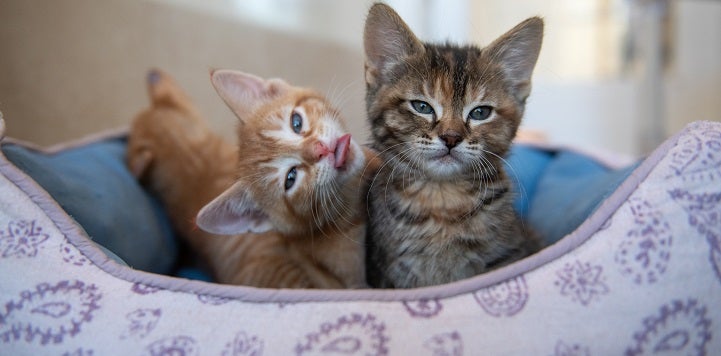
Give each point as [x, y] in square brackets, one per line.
[514, 173]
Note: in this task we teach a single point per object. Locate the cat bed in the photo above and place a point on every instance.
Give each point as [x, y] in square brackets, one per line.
[90, 181]
[641, 274]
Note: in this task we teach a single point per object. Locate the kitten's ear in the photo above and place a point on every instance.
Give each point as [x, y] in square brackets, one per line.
[387, 40]
[233, 212]
[244, 93]
[517, 52]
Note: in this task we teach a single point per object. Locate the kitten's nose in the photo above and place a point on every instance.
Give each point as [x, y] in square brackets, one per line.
[451, 138]
[320, 150]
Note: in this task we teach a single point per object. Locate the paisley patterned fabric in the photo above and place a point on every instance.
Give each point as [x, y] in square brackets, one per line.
[642, 275]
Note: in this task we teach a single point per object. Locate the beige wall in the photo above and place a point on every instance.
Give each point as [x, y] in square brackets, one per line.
[74, 67]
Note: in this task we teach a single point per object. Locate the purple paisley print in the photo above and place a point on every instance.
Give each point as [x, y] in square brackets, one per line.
[704, 213]
[49, 313]
[244, 345]
[697, 157]
[353, 334]
[504, 299]
[680, 328]
[176, 346]
[424, 308]
[21, 239]
[644, 254]
[582, 282]
[686, 152]
[141, 322]
[143, 289]
[446, 344]
[72, 256]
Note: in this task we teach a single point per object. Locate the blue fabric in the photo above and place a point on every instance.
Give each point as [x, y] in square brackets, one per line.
[524, 166]
[561, 188]
[195, 273]
[92, 184]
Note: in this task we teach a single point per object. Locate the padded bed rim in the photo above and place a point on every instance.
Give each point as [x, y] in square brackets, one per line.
[76, 235]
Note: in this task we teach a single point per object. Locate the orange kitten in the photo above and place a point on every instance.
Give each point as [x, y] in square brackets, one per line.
[316, 244]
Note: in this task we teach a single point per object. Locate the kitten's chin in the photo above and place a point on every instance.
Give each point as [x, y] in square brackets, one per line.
[443, 168]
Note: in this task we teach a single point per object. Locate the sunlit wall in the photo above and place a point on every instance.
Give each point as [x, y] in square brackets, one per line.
[620, 75]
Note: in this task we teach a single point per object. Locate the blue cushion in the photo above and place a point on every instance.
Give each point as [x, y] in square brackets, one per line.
[92, 184]
[562, 188]
[524, 166]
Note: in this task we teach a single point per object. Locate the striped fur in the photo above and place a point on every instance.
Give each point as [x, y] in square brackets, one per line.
[441, 204]
[318, 242]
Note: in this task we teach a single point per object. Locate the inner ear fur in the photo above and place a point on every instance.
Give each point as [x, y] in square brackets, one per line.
[244, 93]
[233, 212]
[387, 40]
[517, 52]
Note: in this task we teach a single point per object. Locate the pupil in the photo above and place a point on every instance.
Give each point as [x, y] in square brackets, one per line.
[290, 178]
[422, 107]
[480, 113]
[296, 122]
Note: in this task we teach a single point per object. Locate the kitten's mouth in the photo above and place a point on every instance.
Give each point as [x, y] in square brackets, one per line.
[446, 158]
[341, 150]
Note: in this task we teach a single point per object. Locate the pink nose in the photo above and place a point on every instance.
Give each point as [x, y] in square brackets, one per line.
[320, 150]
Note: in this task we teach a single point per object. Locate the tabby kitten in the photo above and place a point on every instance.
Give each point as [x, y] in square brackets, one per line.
[293, 152]
[442, 117]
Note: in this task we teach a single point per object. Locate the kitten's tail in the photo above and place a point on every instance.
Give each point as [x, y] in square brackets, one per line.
[164, 91]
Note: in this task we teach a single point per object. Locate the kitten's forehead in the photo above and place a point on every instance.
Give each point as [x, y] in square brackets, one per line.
[276, 113]
[317, 119]
[270, 143]
[442, 87]
[451, 75]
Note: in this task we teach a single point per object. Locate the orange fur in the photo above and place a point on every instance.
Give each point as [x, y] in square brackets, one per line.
[174, 153]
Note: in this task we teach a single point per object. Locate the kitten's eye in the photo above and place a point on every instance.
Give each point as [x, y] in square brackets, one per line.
[296, 122]
[422, 107]
[290, 178]
[480, 113]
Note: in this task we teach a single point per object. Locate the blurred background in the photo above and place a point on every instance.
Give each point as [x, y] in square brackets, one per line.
[614, 75]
